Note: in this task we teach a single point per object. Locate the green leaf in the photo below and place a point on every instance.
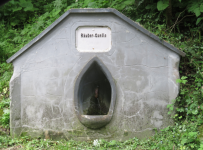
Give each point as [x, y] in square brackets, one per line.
[92, 5]
[201, 146]
[5, 90]
[197, 11]
[112, 143]
[178, 80]
[28, 6]
[184, 140]
[128, 2]
[55, 12]
[148, 7]
[17, 8]
[86, 3]
[138, 20]
[198, 20]
[162, 4]
[6, 111]
[12, 2]
[183, 77]
[113, 3]
[184, 81]
[195, 112]
[15, 22]
[123, 5]
[201, 8]
[192, 134]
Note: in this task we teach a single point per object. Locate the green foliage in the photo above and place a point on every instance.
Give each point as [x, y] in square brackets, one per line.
[176, 137]
[18, 28]
[4, 120]
[5, 114]
[182, 80]
[171, 107]
[117, 4]
[162, 4]
[195, 6]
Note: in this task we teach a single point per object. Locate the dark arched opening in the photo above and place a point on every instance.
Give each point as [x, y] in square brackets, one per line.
[94, 95]
[94, 91]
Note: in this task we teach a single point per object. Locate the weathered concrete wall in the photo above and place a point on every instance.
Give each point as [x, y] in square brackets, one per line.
[42, 86]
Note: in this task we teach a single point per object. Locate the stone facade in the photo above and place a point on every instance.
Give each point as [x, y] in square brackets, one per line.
[144, 70]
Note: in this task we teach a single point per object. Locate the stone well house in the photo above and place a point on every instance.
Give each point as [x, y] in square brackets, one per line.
[93, 73]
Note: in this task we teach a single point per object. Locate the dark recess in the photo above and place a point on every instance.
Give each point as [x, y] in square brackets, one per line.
[94, 89]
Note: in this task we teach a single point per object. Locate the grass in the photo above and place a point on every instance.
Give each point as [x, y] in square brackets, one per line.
[174, 137]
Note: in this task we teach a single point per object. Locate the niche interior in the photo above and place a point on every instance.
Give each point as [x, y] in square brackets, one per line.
[95, 94]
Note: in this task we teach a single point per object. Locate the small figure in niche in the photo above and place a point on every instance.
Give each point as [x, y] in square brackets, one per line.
[97, 107]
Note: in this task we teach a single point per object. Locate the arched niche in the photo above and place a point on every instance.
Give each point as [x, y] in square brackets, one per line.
[94, 95]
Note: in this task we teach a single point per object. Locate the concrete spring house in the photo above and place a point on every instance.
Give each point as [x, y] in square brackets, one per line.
[93, 73]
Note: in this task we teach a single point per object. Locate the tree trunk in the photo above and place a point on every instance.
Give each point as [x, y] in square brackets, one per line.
[169, 14]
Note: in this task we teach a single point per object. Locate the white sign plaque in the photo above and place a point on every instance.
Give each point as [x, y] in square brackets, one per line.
[93, 39]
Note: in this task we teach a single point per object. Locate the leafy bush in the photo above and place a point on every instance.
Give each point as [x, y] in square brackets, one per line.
[5, 116]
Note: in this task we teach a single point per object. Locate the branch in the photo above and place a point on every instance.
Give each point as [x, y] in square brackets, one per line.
[175, 22]
[184, 17]
[179, 22]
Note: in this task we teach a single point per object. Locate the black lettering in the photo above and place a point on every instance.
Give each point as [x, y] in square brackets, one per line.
[81, 35]
[95, 34]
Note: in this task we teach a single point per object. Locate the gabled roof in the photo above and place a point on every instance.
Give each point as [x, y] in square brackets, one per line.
[103, 10]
